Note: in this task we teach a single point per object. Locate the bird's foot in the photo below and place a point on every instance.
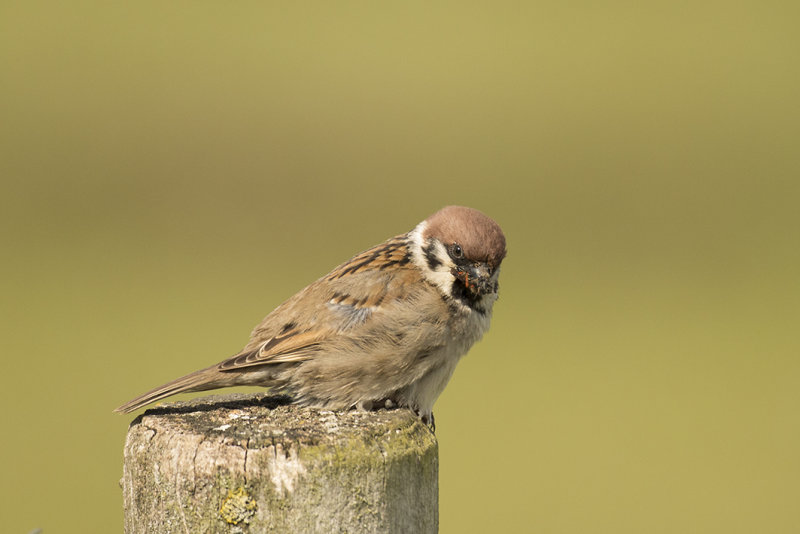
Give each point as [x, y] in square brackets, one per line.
[428, 419]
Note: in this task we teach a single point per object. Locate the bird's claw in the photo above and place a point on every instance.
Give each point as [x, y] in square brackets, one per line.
[428, 419]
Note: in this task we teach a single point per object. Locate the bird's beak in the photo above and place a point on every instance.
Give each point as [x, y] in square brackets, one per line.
[476, 277]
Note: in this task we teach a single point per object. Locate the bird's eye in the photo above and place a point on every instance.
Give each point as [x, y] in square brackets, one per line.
[456, 251]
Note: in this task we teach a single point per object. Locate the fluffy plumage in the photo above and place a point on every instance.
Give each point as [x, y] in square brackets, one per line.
[389, 325]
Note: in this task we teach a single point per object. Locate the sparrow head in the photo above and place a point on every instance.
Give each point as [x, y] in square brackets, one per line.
[460, 249]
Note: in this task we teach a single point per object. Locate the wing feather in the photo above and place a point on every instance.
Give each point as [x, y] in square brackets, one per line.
[342, 304]
[286, 348]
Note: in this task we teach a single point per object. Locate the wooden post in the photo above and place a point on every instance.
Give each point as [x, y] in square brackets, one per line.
[253, 463]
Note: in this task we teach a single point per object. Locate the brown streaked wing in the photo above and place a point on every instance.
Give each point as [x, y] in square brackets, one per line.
[393, 252]
[341, 302]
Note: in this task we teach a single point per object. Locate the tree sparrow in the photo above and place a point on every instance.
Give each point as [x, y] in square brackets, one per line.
[383, 329]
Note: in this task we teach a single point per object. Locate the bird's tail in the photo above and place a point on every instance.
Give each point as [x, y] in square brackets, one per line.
[208, 378]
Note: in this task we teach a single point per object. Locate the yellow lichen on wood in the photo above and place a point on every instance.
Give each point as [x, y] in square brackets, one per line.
[238, 507]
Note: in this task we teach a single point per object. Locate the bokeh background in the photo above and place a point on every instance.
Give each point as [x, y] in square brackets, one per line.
[171, 171]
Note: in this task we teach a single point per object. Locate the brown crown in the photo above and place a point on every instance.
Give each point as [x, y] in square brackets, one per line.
[479, 236]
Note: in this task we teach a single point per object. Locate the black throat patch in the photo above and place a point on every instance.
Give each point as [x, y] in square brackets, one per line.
[463, 295]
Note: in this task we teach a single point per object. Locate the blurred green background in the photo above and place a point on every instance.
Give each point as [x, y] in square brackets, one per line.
[172, 171]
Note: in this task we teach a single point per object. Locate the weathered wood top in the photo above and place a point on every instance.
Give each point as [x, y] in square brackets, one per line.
[256, 460]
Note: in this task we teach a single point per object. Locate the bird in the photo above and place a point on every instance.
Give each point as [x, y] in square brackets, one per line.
[384, 329]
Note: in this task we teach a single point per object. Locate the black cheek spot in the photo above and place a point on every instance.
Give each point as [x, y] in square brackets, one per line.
[430, 256]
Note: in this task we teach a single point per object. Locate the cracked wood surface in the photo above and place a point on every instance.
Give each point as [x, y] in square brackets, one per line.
[254, 463]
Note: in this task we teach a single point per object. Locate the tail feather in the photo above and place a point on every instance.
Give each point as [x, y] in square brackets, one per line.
[198, 381]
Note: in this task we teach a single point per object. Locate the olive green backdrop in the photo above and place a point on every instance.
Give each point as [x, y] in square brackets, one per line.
[172, 171]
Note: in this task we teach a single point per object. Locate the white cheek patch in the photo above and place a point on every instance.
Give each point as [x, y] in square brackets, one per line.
[432, 259]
